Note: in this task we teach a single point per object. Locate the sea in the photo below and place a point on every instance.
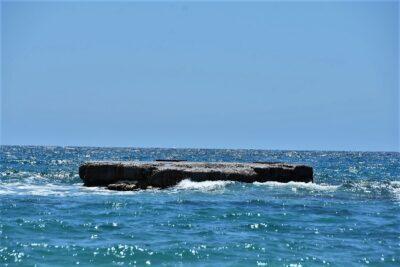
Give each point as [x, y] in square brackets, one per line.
[349, 216]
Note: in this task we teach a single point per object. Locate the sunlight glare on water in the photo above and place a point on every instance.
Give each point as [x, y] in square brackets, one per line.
[350, 215]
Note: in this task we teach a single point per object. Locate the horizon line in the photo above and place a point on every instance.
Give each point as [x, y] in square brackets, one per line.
[202, 148]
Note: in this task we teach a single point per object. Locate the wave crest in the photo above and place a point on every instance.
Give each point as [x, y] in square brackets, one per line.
[299, 185]
[373, 188]
[49, 189]
[188, 184]
[364, 188]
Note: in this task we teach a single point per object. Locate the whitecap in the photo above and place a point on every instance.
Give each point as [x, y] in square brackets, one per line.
[188, 184]
[299, 185]
[49, 189]
[373, 188]
[395, 188]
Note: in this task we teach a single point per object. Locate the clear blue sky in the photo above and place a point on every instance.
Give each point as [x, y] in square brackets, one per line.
[305, 75]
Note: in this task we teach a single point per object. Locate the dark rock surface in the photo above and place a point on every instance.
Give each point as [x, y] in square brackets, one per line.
[133, 175]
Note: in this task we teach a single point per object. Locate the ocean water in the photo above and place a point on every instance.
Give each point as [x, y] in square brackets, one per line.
[349, 216]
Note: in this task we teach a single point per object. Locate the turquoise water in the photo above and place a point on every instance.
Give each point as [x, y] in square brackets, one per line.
[350, 216]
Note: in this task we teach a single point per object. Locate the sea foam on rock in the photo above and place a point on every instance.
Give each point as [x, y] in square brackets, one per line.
[133, 175]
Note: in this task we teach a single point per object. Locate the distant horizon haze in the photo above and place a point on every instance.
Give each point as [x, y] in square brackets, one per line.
[263, 75]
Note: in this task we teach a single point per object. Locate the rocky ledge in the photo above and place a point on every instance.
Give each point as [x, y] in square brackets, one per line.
[133, 175]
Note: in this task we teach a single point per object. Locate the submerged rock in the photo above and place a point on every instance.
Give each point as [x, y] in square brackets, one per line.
[134, 175]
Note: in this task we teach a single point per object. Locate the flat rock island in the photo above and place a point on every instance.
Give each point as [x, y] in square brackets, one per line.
[134, 175]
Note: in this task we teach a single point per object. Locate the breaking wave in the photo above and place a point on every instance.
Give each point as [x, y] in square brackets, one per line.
[39, 187]
[366, 188]
[296, 185]
[187, 184]
[62, 176]
[373, 188]
[49, 189]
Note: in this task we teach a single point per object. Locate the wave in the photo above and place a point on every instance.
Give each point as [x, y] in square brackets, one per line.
[32, 176]
[29, 187]
[188, 184]
[361, 188]
[18, 188]
[373, 188]
[396, 189]
[296, 185]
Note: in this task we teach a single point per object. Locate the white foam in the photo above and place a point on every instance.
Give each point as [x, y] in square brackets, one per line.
[299, 185]
[187, 184]
[396, 189]
[38, 176]
[77, 189]
[375, 187]
[49, 189]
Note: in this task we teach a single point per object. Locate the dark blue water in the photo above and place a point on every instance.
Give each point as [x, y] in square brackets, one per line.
[350, 216]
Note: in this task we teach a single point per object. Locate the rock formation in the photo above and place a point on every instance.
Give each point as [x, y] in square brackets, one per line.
[133, 175]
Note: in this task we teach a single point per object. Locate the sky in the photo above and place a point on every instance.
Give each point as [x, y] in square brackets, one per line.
[261, 75]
